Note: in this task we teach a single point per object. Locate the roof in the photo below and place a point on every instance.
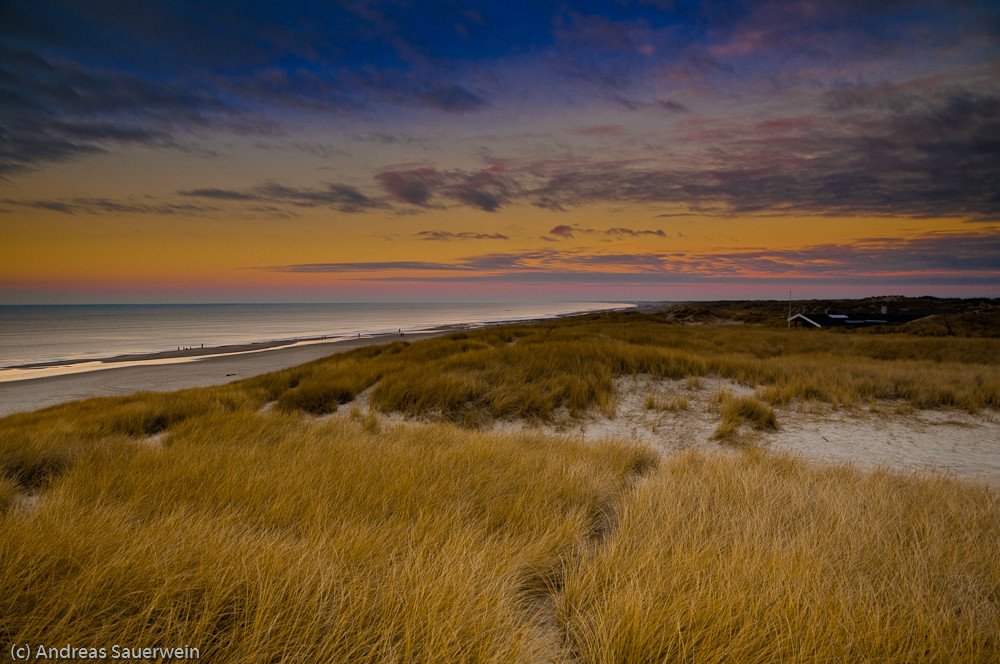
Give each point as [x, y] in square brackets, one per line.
[856, 320]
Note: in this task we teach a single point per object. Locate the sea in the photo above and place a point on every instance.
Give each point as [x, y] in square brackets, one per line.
[32, 334]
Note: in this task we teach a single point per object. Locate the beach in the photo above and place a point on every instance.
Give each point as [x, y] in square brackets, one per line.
[174, 370]
[57, 354]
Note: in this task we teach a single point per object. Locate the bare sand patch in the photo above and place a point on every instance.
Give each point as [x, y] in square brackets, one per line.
[953, 442]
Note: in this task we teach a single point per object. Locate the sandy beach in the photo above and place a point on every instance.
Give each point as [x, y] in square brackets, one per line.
[165, 372]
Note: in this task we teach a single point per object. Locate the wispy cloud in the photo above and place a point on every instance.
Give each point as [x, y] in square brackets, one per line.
[565, 232]
[447, 236]
[55, 110]
[340, 197]
[110, 206]
[946, 257]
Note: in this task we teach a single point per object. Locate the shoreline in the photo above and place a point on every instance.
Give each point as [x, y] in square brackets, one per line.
[182, 354]
[173, 373]
[189, 353]
[61, 381]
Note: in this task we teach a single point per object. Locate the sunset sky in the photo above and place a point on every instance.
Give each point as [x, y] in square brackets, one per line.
[386, 151]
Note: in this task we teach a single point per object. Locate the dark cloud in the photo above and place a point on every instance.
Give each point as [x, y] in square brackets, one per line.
[340, 197]
[375, 266]
[83, 205]
[936, 157]
[54, 110]
[411, 185]
[445, 236]
[487, 189]
[566, 232]
[629, 232]
[933, 253]
[486, 262]
[84, 78]
[385, 138]
[925, 152]
[221, 194]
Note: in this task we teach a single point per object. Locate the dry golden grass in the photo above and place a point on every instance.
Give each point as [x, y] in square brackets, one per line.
[752, 557]
[675, 404]
[269, 535]
[532, 371]
[737, 411]
[261, 538]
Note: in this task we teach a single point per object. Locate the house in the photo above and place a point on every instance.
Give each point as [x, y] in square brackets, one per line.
[852, 320]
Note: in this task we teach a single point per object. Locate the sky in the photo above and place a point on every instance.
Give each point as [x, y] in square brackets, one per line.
[520, 150]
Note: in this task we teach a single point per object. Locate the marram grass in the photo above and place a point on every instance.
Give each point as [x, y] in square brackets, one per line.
[260, 538]
[752, 557]
[233, 520]
[736, 412]
[532, 371]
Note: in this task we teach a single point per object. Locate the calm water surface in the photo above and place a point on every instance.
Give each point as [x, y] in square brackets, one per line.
[65, 332]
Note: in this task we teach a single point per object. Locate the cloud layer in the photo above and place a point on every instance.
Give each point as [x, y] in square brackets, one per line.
[943, 258]
[569, 139]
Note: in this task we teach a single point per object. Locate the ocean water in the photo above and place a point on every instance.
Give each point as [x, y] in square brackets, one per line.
[31, 334]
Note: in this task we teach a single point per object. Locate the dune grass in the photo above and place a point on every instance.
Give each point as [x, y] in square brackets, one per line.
[233, 520]
[738, 411]
[533, 371]
[753, 557]
[266, 537]
[675, 404]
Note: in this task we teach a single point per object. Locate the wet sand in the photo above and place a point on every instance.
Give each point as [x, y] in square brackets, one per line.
[184, 369]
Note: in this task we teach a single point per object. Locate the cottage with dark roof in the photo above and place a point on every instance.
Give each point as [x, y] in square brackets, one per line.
[852, 320]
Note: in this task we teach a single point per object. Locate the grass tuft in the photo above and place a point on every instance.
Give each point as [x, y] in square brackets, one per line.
[676, 404]
[738, 411]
